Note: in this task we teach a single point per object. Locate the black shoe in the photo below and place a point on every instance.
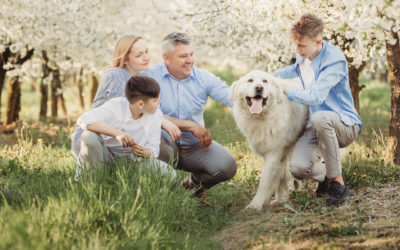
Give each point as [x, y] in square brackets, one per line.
[200, 192]
[323, 187]
[337, 194]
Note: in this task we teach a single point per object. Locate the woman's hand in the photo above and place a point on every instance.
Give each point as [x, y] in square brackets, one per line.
[126, 140]
[140, 151]
[171, 128]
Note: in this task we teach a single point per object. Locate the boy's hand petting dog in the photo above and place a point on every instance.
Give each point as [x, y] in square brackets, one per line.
[140, 151]
[126, 140]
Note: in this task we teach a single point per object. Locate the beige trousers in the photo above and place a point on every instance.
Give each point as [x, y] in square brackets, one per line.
[93, 153]
[322, 142]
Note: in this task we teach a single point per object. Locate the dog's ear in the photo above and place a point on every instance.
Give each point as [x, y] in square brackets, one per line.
[233, 90]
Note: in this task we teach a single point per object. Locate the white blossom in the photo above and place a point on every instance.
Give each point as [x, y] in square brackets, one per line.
[78, 34]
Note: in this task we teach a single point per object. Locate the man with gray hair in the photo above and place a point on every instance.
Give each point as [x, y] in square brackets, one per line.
[184, 92]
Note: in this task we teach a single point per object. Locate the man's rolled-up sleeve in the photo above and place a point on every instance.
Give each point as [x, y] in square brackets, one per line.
[218, 90]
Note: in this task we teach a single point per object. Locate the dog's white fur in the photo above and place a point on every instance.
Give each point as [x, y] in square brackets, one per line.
[272, 134]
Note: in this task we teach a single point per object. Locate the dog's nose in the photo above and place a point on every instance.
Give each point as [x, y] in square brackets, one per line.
[259, 89]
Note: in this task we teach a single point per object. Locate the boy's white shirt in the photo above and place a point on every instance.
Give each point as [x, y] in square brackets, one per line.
[308, 75]
[146, 131]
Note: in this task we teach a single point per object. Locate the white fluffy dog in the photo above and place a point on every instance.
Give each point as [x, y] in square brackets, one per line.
[272, 125]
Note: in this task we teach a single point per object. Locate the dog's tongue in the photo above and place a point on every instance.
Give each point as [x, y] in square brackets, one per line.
[256, 105]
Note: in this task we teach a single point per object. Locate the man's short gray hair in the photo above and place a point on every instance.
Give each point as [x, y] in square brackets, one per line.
[173, 39]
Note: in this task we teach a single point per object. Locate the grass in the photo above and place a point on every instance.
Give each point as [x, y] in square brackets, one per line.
[41, 207]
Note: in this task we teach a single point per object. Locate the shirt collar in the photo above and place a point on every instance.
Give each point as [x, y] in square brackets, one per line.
[165, 72]
[164, 69]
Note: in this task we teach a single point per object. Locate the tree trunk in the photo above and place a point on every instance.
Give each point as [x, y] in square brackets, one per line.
[5, 57]
[93, 84]
[13, 105]
[3, 60]
[2, 78]
[32, 82]
[55, 87]
[79, 85]
[62, 103]
[393, 60]
[354, 73]
[44, 97]
[44, 86]
[61, 100]
[383, 76]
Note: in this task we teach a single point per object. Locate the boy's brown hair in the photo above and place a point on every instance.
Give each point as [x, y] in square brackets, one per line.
[141, 88]
[307, 25]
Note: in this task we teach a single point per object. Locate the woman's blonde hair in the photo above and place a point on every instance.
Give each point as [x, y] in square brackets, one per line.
[122, 49]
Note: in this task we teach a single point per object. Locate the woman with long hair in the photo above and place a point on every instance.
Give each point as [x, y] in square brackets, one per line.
[131, 55]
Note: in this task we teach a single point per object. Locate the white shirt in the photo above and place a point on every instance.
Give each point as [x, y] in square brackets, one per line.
[146, 131]
[308, 75]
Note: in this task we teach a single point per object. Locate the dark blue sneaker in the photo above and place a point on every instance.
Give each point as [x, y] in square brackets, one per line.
[337, 194]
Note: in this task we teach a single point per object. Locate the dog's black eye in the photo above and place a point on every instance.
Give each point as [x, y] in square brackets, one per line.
[250, 80]
[265, 81]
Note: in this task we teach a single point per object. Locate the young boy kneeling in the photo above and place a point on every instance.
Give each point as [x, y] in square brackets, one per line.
[127, 127]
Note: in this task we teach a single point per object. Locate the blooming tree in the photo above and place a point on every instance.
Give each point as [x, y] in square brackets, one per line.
[384, 24]
[388, 21]
[55, 30]
[64, 36]
[70, 35]
[257, 31]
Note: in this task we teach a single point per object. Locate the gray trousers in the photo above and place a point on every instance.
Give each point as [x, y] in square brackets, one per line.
[208, 167]
[93, 153]
[322, 140]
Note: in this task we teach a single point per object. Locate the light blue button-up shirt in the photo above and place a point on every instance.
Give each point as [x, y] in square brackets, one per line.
[187, 99]
[330, 90]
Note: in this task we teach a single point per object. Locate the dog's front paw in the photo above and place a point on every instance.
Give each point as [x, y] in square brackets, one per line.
[255, 205]
[277, 202]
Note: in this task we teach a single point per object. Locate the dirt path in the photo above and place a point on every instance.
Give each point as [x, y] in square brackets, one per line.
[370, 219]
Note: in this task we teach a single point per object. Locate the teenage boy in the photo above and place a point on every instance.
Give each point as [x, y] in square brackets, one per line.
[334, 122]
[127, 127]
